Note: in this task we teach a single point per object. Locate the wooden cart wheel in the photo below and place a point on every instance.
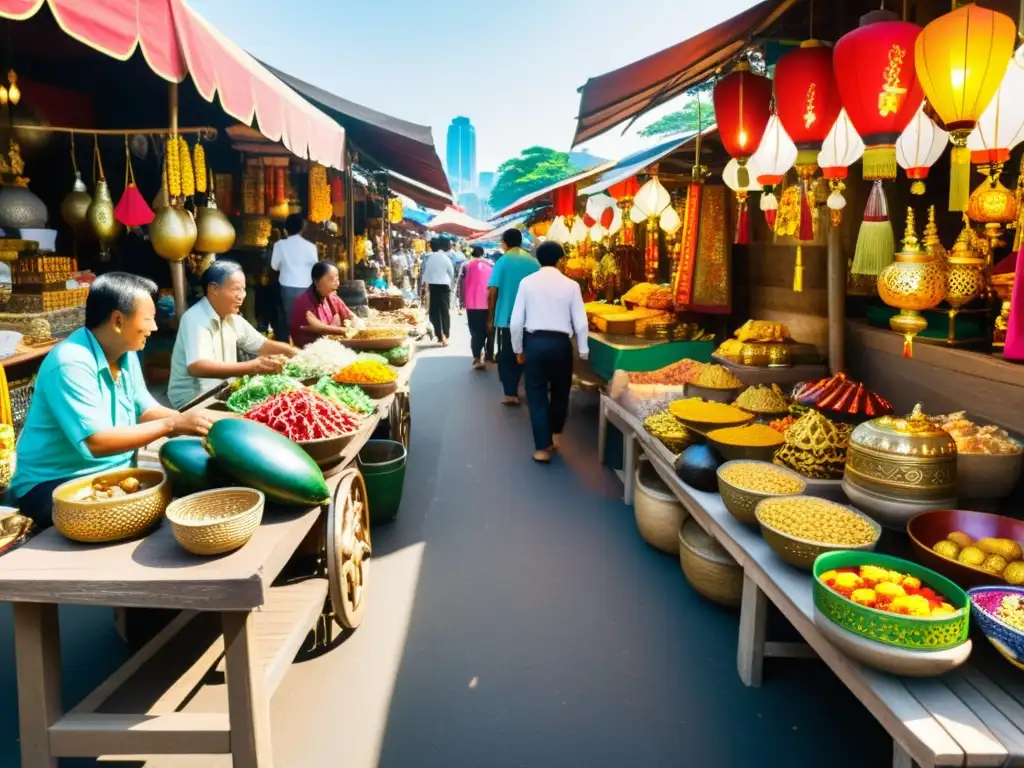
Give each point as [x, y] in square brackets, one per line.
[400, 419]
[348, 549]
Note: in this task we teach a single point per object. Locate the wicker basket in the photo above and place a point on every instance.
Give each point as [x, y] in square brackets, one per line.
[21, 397]
[802, 553]
[710, 570]
[659, 514]
[96, 522]
[217, 521]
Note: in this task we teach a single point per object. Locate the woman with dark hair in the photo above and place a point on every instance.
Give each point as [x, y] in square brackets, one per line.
[91, 410]
[319, 310]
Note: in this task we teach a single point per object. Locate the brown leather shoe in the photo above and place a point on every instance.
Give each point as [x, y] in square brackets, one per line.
[510, 401]
[541, 457]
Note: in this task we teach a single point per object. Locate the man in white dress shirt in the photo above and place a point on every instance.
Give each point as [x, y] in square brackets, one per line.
[438, 275]
[548, 312]
[293, 259]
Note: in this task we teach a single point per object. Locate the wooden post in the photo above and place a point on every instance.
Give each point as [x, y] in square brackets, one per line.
[836, 301]
[177, 267]
[350, 222]
[37, 656]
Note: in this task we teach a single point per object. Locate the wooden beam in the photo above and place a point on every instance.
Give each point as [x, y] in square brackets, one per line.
[177, 733]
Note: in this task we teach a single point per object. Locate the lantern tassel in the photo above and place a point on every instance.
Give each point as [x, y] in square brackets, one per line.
[959, 178]
[879, 163]
[908, 345]
[743, 224]
[798, 270]
[876, 243]
[806, 222]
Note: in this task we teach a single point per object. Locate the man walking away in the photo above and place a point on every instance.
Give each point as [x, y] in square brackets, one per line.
[508, 273]
[476, 273]
[438, 273]
[293, 258]
[548, 312]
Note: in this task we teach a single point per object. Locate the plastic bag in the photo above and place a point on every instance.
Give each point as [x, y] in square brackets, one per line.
[643, 400]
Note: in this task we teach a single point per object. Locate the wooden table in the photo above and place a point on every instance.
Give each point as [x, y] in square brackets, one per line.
[257, 626]
[973, 716]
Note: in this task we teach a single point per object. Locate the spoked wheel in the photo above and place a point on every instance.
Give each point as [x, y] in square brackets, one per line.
[348, 549]
[400, 419]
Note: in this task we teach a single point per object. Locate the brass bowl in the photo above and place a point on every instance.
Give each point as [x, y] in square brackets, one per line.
[801, 553]
[741, 502]
[217, 521]
[96, 522]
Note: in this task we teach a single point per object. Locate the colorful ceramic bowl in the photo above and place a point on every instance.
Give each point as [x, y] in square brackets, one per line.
[1007, 640]
[908, 632]
[928, 528]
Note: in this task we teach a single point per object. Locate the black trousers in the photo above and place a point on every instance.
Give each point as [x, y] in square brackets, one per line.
[509, 371]
[440, 310]
[548, 381]
[477, 330]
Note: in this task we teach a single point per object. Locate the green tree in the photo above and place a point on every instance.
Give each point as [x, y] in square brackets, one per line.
[685, 119]
[535, 168]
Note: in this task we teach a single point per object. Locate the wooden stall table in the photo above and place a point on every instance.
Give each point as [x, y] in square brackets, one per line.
[972, 716]
[230, 607]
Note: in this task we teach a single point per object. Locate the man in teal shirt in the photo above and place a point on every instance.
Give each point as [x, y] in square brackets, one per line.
[91, 410]
[503, 286]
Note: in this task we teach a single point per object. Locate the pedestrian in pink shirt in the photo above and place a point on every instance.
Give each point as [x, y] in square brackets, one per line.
[475, 275]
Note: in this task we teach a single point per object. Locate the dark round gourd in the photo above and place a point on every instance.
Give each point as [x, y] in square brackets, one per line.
[697, 466]
[189, 467]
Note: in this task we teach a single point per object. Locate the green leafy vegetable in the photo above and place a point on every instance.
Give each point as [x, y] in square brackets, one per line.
[253, 390]
[349, 396]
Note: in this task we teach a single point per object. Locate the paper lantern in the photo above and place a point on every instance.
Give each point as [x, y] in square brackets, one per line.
[669, 221]
[1001, 126]
[559, 232]
[742, 107]
[919, 146]
[616, 223]
[652, 199]
[563, 200]
[578, 233]
[879, 84]
[807, 98]
[601, 208]
[731, 178]
[961, 59]
[597, 233]
[842, 148]
[773, 158]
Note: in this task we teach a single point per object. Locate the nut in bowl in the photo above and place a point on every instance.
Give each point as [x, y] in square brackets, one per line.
[974, 549]
[743, 484]
[800, 528]
[999, 611]
[110, 506]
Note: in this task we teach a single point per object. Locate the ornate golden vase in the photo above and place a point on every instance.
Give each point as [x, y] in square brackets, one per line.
[173, 233]
[100, 217]
[965, 278]
[74, 208]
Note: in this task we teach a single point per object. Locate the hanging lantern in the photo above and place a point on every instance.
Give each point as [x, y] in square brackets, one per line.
[1001, 126]
[842, 148]
[578, 233]
[919, 146]
[669, 221]
[731, 178]
[559, 232]
[742, 108]
[563, 205]
[961, 59]
[623, 193]
[650, 202]
[879, 84]
[807, 99]
[597, 233]
[616, 223]
[773, 158]
[75, 207]
[132, 209]
[601, 208]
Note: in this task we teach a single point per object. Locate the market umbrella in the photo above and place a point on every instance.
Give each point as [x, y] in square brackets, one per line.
[454, 222]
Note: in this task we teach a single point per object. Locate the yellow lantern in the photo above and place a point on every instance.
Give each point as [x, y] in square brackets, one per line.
[960, 59]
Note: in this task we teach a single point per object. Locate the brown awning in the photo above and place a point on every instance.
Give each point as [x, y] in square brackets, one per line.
[608, 100]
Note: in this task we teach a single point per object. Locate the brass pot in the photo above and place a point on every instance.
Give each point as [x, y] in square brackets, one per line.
[74, 208]
[897, 467]
[216, 234]
[173, 233]
[914, 281]
[966, 280]
[21, 208]
[100, 215]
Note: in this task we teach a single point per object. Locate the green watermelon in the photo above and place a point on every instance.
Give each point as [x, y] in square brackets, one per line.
[266, 460]
[189, 467]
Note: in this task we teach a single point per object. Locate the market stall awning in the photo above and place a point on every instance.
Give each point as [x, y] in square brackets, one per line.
[454, 222]
[608, 100]
[511, 222]
[176, 41]
[396, 145]
[423, 195]
[541, 195]
[633, 164]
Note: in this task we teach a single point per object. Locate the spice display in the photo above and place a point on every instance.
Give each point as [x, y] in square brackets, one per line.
[695, 409]
[667, 428]
[199, 167]
[755, 435]
[815, 447]
[1008, 607]
[1000, 557]
[783, 424]
[173, 167]
[253, 390]
[324, 357]
[188, 177]
[762, 399]
[759, 477]
[683, 372]
[381, 333]
[303, 415]
[716, 377]
[638, 293]
[817, 520]
[885, 590]
[762, 331]
[842, 395]
[366, 372]
[349, 396]
[970, 438]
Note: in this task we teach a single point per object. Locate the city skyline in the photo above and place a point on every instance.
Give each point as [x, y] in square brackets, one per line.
[460, 155]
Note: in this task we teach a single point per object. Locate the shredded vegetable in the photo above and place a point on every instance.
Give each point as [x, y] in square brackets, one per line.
[349, 396]
[304, 415]
[324, 357]
[253, 390]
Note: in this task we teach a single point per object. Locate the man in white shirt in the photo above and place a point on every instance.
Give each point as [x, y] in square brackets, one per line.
[438, 274]
[210, 333]
[293, 258]
[548, 312]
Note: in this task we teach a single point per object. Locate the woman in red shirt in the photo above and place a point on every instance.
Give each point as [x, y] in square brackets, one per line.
[319, 311]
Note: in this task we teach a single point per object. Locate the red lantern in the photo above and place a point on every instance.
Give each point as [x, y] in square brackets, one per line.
[624, 192]
[874, 67]
[806, 98]
[563, 200]
[743, 103]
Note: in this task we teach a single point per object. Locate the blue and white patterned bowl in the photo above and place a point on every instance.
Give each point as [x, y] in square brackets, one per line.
[1007, 640]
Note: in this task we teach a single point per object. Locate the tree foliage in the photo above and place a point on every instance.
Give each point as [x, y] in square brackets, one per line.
[535, 168]
[685, 119]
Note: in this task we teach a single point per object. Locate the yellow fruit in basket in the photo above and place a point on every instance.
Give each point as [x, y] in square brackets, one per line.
[1014, 573]
[971, 556]
[960, 538]
[1006, 547]
[994, 564]
[947, 548]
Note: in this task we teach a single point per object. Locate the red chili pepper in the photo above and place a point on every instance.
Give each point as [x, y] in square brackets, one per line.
[304, 415]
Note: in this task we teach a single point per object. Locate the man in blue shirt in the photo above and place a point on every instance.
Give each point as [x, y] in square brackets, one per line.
[508, 272]
[91, 410]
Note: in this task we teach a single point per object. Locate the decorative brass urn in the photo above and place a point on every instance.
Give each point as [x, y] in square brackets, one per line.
[74, 208]
[915, 281]
[965, 276]
[215, 231]
[173, 233]
[100, 217]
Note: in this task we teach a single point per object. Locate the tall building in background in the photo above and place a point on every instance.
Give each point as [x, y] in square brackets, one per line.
[485, 183]
[462, 155]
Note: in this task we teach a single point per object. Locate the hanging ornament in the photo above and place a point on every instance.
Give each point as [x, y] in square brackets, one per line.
[807, 99]
[75, 207]
[731, 178]
[132, 210]
[650, 202]
[773, 158]
[624, 192]
[601, 208]
[559, 232]
[875, 70]
[961, 59]
[919, 146]
[875, 239]
[841, 149]
[1001, 126]
[100, 215]
[742, 102]
[932, 244]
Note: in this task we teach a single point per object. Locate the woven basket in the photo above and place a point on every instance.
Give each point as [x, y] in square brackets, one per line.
[375, 391]
[711, 571]
[96, 522]
[659, 514]
[217, 521]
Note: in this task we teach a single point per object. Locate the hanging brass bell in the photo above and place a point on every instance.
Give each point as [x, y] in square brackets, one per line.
[100, 216]
[216, 233]
[173, 233]
[75, 207]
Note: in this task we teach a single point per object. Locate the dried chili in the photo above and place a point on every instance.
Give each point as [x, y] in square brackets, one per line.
[304, 415]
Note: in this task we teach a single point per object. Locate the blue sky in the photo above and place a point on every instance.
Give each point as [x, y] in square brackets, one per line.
[512, 67]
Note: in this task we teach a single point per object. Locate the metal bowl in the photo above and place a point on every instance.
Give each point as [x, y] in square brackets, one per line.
[801, 553]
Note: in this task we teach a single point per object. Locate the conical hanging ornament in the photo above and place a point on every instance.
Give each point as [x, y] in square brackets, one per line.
[132, 209]
[100, 215]
[876, 243]
[75, 207]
